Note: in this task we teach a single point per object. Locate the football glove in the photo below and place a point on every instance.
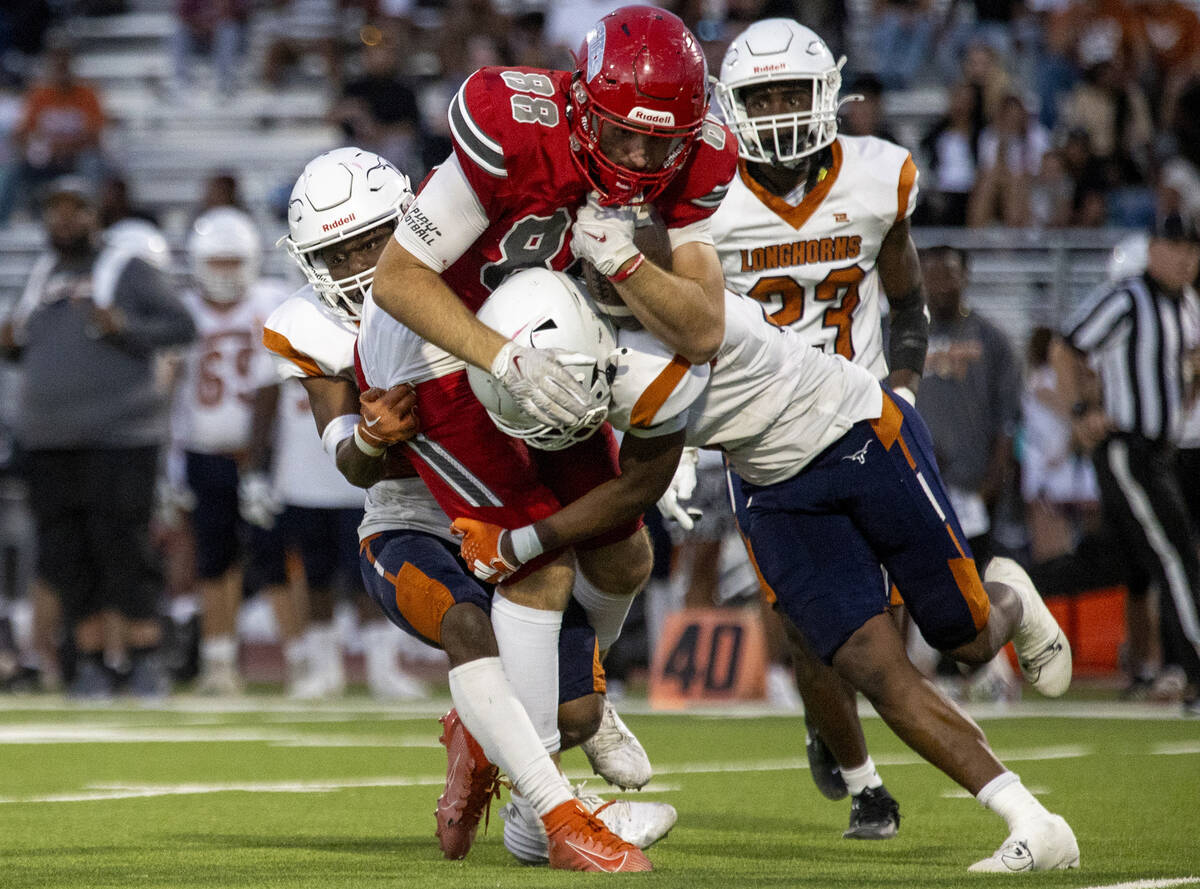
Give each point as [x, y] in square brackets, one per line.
[388, 415]
[540, 384]
[682, 487]
[604, 235]
[480, 549]
[257, 503]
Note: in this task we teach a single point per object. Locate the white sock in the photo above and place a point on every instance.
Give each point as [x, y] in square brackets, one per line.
[294, 652]
[606, 612]
[1008, 797]
[381, 645]
[491, 712]
[218, 650]
[528, 642]
[861, 777]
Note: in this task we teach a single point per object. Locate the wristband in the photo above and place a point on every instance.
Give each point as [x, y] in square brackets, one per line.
[337, 431]
[633, 267]
[525, 544]
[365, 446]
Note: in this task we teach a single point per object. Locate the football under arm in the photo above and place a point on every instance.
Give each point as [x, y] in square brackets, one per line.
[647, 466]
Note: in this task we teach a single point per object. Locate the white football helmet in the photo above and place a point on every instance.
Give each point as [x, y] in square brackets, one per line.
[341, 194]
[545, 309]
[772, 51]
[225, 233]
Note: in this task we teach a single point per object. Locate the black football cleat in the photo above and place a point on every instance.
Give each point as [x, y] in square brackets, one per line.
[874, 815]
[824, 768]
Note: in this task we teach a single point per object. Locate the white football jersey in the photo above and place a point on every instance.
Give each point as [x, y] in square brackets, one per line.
[222, 370]
[389, 353]
[309, 340]
[771, 402]
[812, 265]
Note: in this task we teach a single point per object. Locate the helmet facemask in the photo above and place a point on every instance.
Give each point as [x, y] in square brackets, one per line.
[785, 139]
[618, 184]
[344, 295]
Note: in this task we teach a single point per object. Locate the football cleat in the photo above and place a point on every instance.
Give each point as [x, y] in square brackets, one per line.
[615, 754]
[824, 768]
[1042, 648]
[219, 679]
[1042, 844]
[578, 840]
[471, 783]
[874, 815]
[639, 823]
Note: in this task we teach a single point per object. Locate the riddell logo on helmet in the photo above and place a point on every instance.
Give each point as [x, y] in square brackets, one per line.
[646, 115]
[337, 223]
[763, 69]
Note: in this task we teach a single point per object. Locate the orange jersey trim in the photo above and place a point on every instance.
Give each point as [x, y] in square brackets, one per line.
[651, 401]
[279, 344]
[800, 214]
[908, 175]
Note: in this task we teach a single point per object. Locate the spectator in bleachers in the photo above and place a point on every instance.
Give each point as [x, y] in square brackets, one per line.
[216, 28]
[115, 204]
[24, 26]
[951, 147]
[866, 117]
[60, 129]
[221, 189]
[902, 33]
[1179, 181]
[11, 104]
[1169, 35]
[91, 428]
[1052, 193]
[983, 68]
[296, 28]
[378, 109]
[1010, 157]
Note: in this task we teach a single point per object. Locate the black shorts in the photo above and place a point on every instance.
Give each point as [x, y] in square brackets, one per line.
[92, 512]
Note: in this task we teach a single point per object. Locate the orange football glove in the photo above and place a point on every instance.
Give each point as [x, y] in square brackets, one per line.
[481, 550]
[388, 416]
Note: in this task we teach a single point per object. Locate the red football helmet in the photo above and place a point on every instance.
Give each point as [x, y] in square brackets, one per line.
[640, 71]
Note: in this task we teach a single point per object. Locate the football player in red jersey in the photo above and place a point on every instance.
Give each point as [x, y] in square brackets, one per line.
[548, 166]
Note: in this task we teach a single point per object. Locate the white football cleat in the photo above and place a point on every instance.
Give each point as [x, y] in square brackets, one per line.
[219, 679]
[615, 754]
[1042, 844]
[1042, 648]
[639, 823]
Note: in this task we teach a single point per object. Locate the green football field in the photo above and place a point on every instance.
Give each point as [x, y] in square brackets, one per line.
[269, 793]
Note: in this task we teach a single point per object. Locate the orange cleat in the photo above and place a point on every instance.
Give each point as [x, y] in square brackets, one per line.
[471, 783]
[579, 841]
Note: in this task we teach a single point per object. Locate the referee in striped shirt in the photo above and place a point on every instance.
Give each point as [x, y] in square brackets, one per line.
[1128, 372]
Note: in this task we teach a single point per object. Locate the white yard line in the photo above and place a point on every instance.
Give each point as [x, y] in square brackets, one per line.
[134, 734]
[1150, 884]
[1179, 748]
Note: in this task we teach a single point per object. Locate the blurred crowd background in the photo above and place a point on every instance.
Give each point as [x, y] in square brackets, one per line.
[1045, 132]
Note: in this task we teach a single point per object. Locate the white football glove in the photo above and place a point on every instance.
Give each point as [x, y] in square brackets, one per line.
[682, 487]
[604, 235]
[257, 503]
[540, 384]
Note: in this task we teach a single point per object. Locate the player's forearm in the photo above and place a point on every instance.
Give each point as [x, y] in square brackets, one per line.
[360, 469]
[417, 297]
[685, 314]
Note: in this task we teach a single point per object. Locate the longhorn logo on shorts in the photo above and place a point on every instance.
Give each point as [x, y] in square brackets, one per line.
[859, 456]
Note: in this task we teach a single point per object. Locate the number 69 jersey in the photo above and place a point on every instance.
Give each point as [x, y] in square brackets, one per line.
[768, 401]
[813, 265]
[506, 198]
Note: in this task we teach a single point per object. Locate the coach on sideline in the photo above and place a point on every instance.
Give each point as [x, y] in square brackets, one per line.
[1127, 369]
[90, 422]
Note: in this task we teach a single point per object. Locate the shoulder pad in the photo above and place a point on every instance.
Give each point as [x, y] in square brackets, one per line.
[307, 340]
[652, 388]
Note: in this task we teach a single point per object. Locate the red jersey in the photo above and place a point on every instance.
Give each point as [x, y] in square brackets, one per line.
[512, 140]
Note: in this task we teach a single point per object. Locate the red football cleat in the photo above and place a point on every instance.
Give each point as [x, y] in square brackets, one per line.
[471, 783]
[579, 841]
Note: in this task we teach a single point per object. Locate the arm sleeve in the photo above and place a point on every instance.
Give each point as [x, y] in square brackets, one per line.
[1091, 325]
[443, 220]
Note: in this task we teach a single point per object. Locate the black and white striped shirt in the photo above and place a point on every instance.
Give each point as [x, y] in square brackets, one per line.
[1137, 339]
